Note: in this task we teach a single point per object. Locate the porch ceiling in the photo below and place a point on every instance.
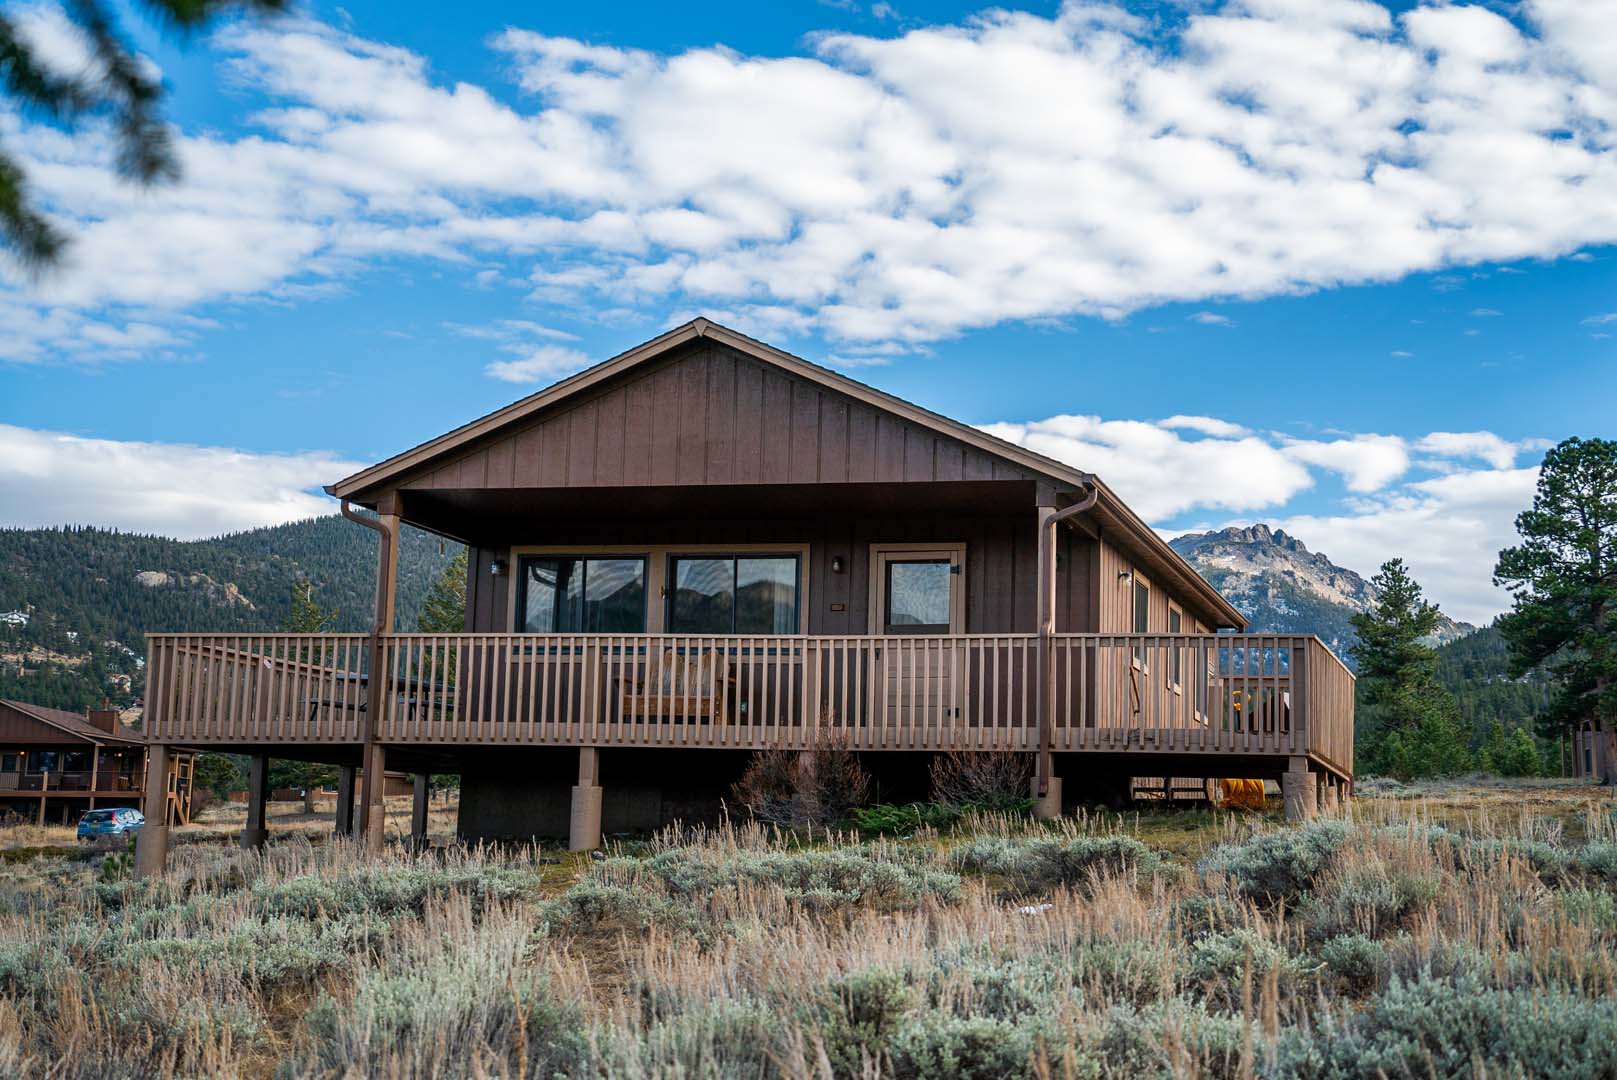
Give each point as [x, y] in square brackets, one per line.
[495, 516]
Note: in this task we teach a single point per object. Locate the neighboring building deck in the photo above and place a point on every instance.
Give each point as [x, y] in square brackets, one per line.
[1237, 696]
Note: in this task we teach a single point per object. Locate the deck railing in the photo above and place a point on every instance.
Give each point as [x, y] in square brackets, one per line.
[1248, 694]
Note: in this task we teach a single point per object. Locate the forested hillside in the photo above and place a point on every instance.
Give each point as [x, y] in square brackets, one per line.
[76, 603]
[1476, 668]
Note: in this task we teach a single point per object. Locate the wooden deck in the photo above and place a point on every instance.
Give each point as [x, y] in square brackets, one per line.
[1192, 694]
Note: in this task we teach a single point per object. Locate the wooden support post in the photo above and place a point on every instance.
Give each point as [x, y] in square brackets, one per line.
[372, 800]
[378, 682]
[345, 801]
[255, 831]
[1047, 806]
[1298, 790]
[151, 843]
[418, 811]
[1332, 789]
[95, 770]
[584, 832]
[44, 789]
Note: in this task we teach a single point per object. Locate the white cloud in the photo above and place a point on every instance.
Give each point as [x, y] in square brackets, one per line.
[1479, 445]
[1449, 529]
[899, 188]
[1212, 318]
[55, 478]
[1160, 473]
[1485, 313]
[1366, 462]
[1448, 519]
[1207, 425]
[546, 363]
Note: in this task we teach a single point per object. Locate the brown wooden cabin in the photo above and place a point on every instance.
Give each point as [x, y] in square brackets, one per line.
[706, 546]
[55, 764]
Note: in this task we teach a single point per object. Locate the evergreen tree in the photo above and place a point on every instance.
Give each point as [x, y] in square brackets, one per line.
[119, 87]
[444, 610]
[306, 616]
[1409, 724]
[1563, 580]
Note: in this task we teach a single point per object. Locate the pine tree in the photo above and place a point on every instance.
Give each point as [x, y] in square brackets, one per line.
[1563, 580]
[1409, 723]
[444, 611]
[306, 616]
[119, 88]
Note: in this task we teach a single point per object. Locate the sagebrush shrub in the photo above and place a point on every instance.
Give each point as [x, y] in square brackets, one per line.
[1040, 865]
[1359, 964]
[1281, 865]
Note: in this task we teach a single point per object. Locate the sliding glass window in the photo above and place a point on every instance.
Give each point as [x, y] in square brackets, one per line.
[733, 594]
[582, 594]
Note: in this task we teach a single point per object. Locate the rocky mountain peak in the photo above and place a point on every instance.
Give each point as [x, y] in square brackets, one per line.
[1283, 587]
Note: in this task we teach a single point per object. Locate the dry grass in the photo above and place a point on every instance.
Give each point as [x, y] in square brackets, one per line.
[1452, 936]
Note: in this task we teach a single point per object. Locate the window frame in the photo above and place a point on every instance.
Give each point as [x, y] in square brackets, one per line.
[657, 565]
[876, 568]
[735, 556]
[1176, 657]
[1138, 581]
[519, 589]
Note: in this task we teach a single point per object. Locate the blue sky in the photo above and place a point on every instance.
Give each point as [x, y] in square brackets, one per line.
[1337, 266]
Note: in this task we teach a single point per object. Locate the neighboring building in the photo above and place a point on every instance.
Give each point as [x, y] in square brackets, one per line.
[55, 764]
[706, 546]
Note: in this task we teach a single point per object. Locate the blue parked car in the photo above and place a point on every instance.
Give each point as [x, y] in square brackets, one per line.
[121, 822]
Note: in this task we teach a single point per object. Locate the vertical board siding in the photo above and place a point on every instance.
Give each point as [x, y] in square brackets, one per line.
[711, 415]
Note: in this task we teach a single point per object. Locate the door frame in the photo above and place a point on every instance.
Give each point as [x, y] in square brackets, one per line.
[882, 554]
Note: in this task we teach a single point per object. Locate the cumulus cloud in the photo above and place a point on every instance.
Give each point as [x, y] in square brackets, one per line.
[1159, 472]
[1449, 529]
[1446, 502]
[900, 188]
[1366, 462]
[54, 478]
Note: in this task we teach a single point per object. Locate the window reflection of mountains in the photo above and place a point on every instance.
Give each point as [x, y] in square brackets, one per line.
[763, 607]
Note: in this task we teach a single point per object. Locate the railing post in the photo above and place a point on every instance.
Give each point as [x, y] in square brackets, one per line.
[1301, 721]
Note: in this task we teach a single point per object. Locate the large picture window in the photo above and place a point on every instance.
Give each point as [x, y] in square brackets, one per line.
[582, 594]
[733, 594]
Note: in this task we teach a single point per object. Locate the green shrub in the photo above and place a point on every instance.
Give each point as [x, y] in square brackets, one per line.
[938, 1046]
[858, 1016]
[1462, 1028]
[1357, 963]
[1275, 866]
[821, 878]
[1599, 860]
[1367, 900]
[592, 907]
[1041, 865]
[393, 889]
[1594, 908]
[1223, 963]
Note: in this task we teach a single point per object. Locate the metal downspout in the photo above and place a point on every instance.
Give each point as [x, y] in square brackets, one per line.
[1047, 631]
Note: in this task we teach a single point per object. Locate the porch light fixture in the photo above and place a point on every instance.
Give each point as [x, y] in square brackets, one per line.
[497, 568]
[837, 565]
[1124, 575]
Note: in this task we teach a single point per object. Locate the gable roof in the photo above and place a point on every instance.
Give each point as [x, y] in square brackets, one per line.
[368, 484]
[67, 723]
